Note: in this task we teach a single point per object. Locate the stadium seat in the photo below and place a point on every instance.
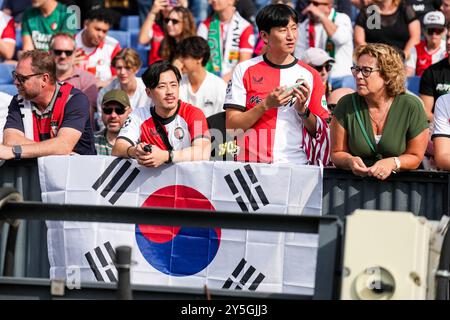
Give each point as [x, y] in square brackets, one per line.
[8, 88]
[5, 73]
[128, 23]
[122, 36]
[18, 39]
[134, 38]
[413, 84]
[143, 54]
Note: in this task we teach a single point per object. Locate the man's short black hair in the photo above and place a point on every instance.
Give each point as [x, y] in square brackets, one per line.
[195, 47]
[275, 15]
[103, 15]
[152, 74]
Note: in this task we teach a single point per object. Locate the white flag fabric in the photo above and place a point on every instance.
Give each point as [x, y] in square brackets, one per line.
[180, 256]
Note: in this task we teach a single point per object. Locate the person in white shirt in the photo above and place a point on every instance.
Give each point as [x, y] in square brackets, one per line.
[441, 132]
[126, 63]
[331, 31]
[198, 86]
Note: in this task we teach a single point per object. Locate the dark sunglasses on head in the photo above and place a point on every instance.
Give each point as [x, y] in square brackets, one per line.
[60, 52]
[118, 110]
[23, 78]
[327, 67]
[432, 31]
[174, 21]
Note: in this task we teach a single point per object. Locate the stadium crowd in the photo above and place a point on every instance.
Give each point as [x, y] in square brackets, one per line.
[360, 85]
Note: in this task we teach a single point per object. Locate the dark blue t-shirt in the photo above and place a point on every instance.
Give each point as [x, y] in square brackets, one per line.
[76, 116]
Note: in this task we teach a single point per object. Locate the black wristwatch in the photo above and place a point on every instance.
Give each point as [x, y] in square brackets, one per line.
[170, 157]
[305, 115]
[17, 150]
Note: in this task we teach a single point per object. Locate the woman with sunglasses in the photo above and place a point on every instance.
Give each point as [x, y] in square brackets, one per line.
[430, 50]
[127, 63]
[152, 30]
[380, 129]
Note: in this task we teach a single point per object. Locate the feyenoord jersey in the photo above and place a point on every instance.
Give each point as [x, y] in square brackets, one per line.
[277, 135]
[420, 58]
[98, 60]
[186, 125]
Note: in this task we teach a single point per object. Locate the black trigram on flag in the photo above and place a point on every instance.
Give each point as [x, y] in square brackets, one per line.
[101, 261]
[115, 179]
[248, 192]
[250, 273]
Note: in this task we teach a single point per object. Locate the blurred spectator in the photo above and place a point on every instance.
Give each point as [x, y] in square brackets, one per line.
[331, 31]
[323, 63]
[278, 124]
[435, 81]
[143, 9]
[379, 129]
[230, 37]
[46, 118]
[119, 9]
[42, 21]
[343, 6]
[95, 49]
[5, 100]
[398, 25]
[7, 37]
[127, 63]
[174, 130]
[335, 96]
[430, 50]
[199, 87]
[179, 25]
[115, 110]
[15, 8]
[152, 31]
[441, 133]
[62, 47]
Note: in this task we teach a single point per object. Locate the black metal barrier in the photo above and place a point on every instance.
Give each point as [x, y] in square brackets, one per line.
[328, 228]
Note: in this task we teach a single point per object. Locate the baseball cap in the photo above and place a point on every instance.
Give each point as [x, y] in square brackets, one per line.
[116, 95]
[434, 19]
[316, 57]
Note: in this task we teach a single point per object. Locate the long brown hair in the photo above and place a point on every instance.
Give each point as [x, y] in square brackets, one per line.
[168, 50]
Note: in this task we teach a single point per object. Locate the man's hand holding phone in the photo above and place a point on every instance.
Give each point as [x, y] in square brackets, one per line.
[282, 95]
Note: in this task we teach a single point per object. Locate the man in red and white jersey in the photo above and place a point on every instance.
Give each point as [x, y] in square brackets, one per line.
[430, 50]
[95, 49]
[168, 131]
[231, 38]
[281, 123]
[7, 37]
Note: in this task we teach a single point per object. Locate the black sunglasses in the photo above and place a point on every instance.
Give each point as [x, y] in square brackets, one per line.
[60, 52]
[327, 67]
[316, 4]
[174, 21]
[118, 110]
[430, 31]
[22, 78]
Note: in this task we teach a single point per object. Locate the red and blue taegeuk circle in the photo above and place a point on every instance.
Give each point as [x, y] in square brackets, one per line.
[178, 251]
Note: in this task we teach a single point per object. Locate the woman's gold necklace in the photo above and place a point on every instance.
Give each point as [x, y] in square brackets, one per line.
[378, 123]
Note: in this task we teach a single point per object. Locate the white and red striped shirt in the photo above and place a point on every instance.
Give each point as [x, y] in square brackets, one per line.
[98, 59]
[420, 58]
[279, 135]
[7, 29]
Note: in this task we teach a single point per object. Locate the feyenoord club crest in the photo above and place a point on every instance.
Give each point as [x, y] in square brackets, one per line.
[179, 133]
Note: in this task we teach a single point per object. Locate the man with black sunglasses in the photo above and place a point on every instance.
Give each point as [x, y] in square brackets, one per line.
[62, 48]
[46, 117]
[332, 31]
[115, 110]
[322, 62]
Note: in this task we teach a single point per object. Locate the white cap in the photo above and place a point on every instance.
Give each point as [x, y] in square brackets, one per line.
[434, 19]
[316, 57]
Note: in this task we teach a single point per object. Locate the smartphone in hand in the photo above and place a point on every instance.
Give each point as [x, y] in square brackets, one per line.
[289, 90]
